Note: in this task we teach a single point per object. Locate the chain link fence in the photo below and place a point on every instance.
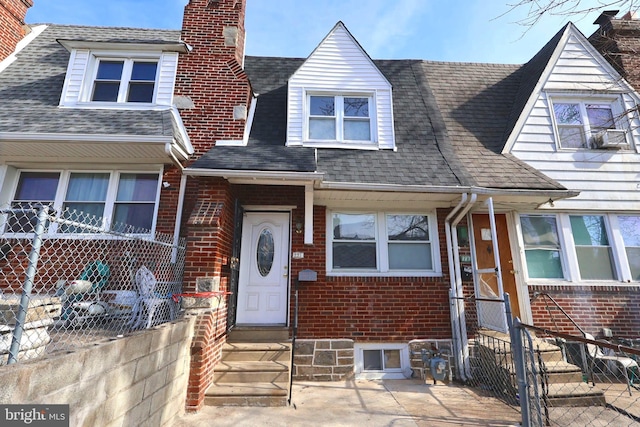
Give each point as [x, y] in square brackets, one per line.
[69, 278]
[554, 378]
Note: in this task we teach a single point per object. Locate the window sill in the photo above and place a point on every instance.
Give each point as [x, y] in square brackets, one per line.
[400, 274]
[116, 106]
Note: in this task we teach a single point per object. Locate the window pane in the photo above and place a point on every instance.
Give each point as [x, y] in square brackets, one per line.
[589, 230]
[354, 255]
[322, 128]
[567, 114]
[137, 187]
[392, 359]
[600, 117]
[572, 137]
[633, 255]
[356, 107]
[595, 263]
[144, 71]
[408, 227]
[357, 130]
[34, 189]
[265, 251]
[410, 256]
[37, 186]
[110, 70]
[322, 106]
[630, 230]
[140, 92]
[539, 231]
[138, 217]
[88, 187]
[372, 360]
[354, 226]
[106, 91]
[544, 264]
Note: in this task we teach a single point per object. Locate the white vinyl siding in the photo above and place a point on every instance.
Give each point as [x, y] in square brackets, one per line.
[606, 179]
[81, 73]
[339, 66]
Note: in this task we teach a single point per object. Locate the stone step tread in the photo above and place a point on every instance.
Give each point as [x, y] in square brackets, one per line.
[256, 346]
[561, 366]
[252, 366]
[573, 390]
[248, 389]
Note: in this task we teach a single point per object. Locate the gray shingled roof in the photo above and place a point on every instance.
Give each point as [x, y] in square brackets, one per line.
[450, 125]
[30, 88]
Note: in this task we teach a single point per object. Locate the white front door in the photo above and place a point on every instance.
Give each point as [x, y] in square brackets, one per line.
[264, 269]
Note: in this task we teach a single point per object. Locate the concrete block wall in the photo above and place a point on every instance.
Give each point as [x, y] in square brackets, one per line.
[323, 360]
[137, 380]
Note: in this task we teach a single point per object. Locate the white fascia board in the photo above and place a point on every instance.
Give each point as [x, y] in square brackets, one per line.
[177, 46]
[66, 137]
[188, 147]
[255, 175]
[443, 189]
[35, 32]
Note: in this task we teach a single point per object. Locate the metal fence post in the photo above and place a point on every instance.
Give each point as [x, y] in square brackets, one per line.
[518, 358]
[34, 255]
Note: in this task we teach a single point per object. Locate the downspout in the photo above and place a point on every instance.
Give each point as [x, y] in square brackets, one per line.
[176, 228]
[459, 329]
[452, 302]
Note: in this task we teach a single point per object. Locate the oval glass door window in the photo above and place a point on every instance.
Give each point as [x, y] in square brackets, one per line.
[265, 252]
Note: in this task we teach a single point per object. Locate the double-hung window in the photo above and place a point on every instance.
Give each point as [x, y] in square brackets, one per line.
[124, 80]
[542, 246]
[340, 118]
[593, 250]
[579, 122]
[86, 200]
[385, 243]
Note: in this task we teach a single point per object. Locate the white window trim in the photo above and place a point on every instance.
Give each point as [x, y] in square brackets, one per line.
[404, 372]
[382, 258]
[92, 71]
[620, 119]
[569, 257]
[110, 200]
[339, 142]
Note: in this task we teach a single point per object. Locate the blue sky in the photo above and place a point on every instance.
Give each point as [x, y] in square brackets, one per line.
[440, 30]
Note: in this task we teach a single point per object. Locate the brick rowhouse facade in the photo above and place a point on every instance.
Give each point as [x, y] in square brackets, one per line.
[213, 94]
[12, 14]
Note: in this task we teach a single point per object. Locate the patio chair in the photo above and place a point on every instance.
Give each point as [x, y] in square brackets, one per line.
[80, 297]
[610, 362]
[151, 306]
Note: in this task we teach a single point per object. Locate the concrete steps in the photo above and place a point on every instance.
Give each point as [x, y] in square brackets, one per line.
[565, 383]
[254, 370]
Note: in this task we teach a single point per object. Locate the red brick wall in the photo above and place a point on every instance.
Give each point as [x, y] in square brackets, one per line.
[591, 307]
[618, 40]
[368, 308]
[211, 74]
[12, 13]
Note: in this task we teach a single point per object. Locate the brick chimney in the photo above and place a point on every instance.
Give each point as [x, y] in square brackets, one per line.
[618, 40]
[12, 26]
[212, 90]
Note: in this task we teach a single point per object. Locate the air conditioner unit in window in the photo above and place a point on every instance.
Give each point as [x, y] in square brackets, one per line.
[611, 138]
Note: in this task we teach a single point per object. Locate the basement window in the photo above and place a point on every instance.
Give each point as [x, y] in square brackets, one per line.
[382, 361]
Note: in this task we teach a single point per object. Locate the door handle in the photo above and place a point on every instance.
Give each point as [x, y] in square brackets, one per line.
[286, 271]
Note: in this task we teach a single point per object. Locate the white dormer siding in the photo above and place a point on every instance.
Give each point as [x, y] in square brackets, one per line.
[81, 73]
[339, 67]
[608, 179]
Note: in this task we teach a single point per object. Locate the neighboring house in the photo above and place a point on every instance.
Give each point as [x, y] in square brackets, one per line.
[89, 124]
[400, 183]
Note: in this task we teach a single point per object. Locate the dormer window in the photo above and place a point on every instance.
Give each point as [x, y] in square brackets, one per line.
[339, 118]
[580, 124]
[124, 80]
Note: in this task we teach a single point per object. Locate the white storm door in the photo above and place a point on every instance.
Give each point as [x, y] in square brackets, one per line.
[264, 269]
